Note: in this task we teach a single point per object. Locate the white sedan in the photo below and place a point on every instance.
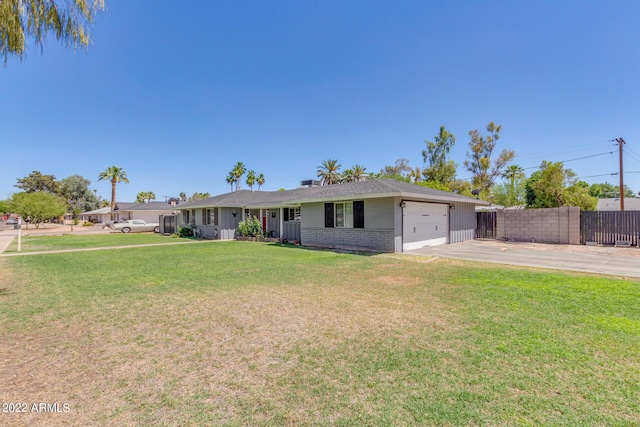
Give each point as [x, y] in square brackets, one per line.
[134, 225]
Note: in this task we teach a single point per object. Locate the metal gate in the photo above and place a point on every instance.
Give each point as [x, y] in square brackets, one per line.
[486, 225]
[607, 227]
[168, 224]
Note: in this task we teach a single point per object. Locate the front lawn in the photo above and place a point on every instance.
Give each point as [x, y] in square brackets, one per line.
[240, 333]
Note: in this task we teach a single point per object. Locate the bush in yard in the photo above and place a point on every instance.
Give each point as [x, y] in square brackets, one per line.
[250, 227]
[184, 231]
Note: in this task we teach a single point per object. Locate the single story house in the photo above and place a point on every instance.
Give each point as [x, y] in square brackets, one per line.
[613, 204]
[150, 212]
[379, 214]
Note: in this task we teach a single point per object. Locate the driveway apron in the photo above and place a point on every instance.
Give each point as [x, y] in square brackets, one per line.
[511, 254]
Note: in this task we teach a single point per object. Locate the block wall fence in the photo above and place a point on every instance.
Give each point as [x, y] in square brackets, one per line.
[552, 225]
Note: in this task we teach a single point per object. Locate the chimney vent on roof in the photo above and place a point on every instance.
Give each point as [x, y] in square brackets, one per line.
[310, 183]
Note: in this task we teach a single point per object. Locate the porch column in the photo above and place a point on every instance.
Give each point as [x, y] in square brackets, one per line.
[281, 223]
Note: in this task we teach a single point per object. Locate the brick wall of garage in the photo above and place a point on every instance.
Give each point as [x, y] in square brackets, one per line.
[552, 225]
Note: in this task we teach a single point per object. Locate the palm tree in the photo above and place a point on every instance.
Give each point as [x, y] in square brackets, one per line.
[512, 173]
[260, 181]
[145, 196]
[183, 196]
[115, 174]
[328, 172]
[359, 173]
[251, 179]
[231, 179]
[238, 171]
[347, 176]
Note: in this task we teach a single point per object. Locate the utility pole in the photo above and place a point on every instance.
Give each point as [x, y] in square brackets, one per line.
[621, 142]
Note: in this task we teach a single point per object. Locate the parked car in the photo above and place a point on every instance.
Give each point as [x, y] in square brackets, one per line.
[135, 225]
[12, 221]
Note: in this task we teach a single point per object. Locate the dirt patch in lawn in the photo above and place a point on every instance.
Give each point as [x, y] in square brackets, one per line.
[208, 357]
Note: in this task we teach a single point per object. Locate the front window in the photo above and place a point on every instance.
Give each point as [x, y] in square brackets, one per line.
[344, 214]
[294, 214]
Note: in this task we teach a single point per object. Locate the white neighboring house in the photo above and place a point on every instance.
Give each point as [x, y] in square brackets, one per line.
[630, 204]
[150, 212]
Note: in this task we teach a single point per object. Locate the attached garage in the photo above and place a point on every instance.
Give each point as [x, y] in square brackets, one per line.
[424, 224]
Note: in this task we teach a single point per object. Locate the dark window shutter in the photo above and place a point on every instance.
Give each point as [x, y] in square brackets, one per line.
[358, 214]
[286, 214]
[328, 215]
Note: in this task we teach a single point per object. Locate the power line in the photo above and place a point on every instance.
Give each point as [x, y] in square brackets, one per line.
[563, 150]
[561, 161]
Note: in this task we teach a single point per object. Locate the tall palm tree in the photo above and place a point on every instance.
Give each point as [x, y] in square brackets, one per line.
[512, 173]
[251, 179]
[359, 173]
[347, 176]
[328, 172]
[115, 174]
[260, 181]
[183, 196]
[238, 171]
[231, 179]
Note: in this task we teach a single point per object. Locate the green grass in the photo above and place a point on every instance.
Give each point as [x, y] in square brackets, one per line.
[70, 241]
[238, 333]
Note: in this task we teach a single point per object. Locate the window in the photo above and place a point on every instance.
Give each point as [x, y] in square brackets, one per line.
[291, 214]
[205, 216]
[186, 217]
[193, 216]
[344, 215]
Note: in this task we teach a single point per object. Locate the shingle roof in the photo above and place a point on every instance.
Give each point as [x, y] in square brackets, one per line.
[630, 204]
[364, 189]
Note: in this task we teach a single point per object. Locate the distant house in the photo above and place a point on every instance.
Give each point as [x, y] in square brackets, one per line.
[630, 204]
[380, 214]
[150, 212]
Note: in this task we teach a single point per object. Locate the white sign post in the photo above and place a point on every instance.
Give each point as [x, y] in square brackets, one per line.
[19, 234]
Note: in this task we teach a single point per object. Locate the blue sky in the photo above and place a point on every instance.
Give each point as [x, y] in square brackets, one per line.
[176, 93]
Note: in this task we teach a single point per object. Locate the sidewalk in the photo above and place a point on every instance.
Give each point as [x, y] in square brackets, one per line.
[6, 237]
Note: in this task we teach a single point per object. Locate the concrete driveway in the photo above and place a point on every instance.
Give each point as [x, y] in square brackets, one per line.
[602, 260]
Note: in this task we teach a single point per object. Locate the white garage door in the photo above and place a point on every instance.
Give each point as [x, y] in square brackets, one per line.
[148, 217]
[424, 224]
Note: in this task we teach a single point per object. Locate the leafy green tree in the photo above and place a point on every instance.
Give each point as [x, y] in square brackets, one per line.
[329, 172]
[37, 206]
[437, 166]
[75, 190]
[251, 179]
[436, 185]
[36, 181]
[484, 170]
[260, 181]
[605, 190]
[68, 20]
[514, 173]
[507, 194]
[460, 186]
[145, 196]
[554, 186]
[115, 174]
[415, 175]
[4, 206]
[399, 171]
